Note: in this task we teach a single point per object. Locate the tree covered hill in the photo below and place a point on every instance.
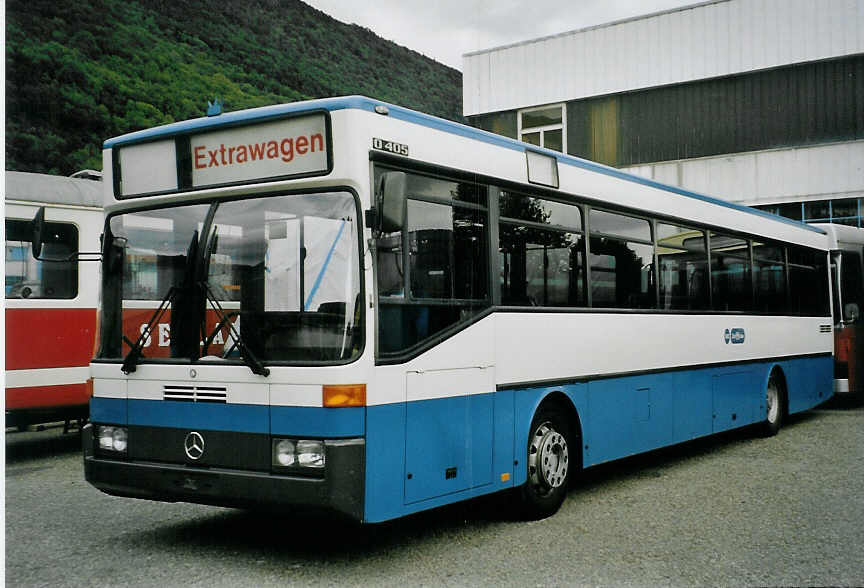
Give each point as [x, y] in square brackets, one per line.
[80, 71]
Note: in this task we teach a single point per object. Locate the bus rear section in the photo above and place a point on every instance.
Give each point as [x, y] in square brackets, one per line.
[50, 305]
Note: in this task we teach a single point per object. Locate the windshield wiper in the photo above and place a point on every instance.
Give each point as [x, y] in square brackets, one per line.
[130, 362]
[246, 354]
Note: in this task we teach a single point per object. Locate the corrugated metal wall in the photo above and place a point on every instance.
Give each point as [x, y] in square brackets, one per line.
[800, 105]
[709, 40]
[805, 104]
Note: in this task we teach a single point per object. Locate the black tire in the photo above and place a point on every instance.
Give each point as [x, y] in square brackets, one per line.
[775, 404]
[550, 460]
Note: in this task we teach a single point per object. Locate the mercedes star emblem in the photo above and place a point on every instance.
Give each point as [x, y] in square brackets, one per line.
[194, 445]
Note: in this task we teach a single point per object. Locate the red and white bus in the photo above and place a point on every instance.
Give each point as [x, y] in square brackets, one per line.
[50, 305]
[847, 276]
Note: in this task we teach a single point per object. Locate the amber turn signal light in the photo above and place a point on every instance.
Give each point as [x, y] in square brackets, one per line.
[344, 395]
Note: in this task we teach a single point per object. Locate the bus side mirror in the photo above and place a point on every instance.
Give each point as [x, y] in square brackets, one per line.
[391, 199]
[851, 312]
[37, 230]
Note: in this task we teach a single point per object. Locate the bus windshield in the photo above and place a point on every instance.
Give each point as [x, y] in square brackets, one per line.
[277, 278]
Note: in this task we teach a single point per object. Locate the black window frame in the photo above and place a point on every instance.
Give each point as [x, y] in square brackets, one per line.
[585, 204]
[470, 307]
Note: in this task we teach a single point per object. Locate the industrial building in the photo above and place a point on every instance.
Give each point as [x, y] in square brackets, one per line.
[760, 102]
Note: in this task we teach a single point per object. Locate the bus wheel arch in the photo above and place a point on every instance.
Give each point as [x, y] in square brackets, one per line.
[553, 456]
[776, 401]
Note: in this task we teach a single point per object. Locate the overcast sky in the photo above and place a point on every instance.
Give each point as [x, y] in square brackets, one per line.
[446, 29]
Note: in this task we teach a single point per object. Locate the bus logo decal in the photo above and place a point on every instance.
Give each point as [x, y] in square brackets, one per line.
[734, 336]
[194, 445]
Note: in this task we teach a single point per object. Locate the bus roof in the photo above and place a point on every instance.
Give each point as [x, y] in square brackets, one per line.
[31, 187]
[842, 233]
[264, 113]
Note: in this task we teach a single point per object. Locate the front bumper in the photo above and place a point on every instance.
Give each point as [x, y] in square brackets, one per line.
[339, 492]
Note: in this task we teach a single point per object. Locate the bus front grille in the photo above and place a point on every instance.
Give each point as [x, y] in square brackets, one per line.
[217, 394]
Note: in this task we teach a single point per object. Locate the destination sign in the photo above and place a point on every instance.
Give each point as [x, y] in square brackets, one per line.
[257, 152]
[147, 168]
[293, 146]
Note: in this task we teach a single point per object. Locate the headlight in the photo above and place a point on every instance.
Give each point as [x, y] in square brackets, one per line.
[310, 454]
[120, 439]
[298, 454]
[112, 439]
[284, 453]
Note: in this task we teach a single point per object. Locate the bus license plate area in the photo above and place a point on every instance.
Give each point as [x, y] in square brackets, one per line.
[194, 482]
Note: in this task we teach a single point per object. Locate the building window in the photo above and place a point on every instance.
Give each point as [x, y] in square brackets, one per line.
[845, 211]
[544, 127]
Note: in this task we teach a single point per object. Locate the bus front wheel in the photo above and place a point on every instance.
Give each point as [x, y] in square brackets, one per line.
[550, 463]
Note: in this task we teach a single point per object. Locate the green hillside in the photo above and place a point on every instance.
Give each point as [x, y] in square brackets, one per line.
[80, 71]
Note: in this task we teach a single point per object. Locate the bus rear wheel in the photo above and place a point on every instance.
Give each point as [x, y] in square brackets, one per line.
[775, 401]
[550, 462]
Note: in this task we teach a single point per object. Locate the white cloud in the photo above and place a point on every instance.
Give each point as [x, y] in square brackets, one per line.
[446, 29]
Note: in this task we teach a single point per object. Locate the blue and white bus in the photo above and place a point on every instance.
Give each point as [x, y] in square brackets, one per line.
[348, 306]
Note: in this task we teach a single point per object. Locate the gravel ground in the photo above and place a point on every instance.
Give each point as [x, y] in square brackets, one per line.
[731, 510]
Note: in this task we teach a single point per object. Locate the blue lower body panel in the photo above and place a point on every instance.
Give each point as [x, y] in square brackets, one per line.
[429, 453]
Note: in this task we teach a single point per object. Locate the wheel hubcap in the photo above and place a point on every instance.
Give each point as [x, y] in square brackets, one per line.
[772, 401]
[548, 458]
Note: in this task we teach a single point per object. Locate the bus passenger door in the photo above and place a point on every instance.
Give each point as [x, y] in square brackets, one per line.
[449, 427]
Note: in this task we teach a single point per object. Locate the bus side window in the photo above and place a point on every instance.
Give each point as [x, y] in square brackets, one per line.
[731, 281]
[808, 281]
[26, 277]
[769, 274]
[540, 268]
[541, 252]
[434, 274]
[683, 261]
[622, 261]
[851, 283]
